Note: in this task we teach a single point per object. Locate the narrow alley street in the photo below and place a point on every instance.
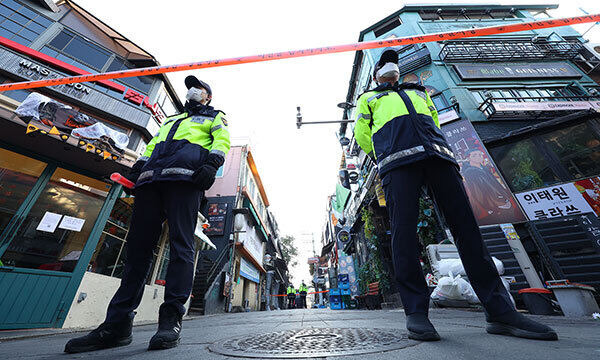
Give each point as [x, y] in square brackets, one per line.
[463, 337]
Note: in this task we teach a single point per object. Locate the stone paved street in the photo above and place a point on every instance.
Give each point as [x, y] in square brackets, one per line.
[463, 337]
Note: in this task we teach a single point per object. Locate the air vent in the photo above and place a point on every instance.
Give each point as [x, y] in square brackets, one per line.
[388, 26]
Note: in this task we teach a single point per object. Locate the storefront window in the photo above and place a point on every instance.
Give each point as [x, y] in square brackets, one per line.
[578, 149]
[523, 166]
[18, 175]
[59, 224]
[108, 258]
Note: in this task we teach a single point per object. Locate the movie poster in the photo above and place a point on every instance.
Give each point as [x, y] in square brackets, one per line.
[217, 214]
[490, 197]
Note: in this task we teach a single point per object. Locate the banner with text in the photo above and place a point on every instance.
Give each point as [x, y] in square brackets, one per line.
[553, 201]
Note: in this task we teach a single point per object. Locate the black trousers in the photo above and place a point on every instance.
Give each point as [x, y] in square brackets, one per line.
[178, 203]
[291, 301]
[303, 299]
[402, 187]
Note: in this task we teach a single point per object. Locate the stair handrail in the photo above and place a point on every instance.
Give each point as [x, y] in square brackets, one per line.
[216, 266]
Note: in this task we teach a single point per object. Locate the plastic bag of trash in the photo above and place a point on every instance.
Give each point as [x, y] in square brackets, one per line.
[454, 288]
[52, 113]
[455, 266]
[99, 131]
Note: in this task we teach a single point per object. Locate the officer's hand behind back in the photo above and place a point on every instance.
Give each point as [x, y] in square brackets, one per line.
[204, 177]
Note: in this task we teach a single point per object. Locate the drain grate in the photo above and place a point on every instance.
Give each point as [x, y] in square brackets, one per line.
[313, 342]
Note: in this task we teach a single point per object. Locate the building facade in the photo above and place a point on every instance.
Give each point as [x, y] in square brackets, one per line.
[63, 223]
[247, 266]
[520, 113]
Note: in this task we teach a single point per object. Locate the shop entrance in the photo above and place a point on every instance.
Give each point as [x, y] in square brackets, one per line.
[48, 231]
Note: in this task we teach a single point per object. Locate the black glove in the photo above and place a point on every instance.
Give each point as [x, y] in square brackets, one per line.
[215, 160]
[204, 177]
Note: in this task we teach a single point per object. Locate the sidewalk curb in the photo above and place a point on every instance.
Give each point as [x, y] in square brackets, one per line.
[57, 331]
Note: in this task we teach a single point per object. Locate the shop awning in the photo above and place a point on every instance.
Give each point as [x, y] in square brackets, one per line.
[204, 242]
[327, 248]
[246, 254]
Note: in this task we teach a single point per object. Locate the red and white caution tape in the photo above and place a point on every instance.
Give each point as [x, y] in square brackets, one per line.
[450, 35]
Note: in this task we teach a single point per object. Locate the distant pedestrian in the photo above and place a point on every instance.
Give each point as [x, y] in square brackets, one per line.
[303, 292]
[291, 296]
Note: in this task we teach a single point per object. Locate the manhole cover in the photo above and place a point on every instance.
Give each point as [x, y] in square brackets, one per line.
[313, 342]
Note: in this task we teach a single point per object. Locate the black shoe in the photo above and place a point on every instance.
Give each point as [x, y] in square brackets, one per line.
[517, 324]
[420, 328]
[169, 329]
[107, 335]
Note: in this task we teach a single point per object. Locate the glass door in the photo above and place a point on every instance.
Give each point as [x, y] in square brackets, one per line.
[18, 176]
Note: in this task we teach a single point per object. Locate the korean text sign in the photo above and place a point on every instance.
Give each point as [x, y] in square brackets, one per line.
[553, 201]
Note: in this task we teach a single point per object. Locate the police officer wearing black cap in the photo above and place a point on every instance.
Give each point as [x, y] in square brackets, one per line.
[397, 124]
[179, 164]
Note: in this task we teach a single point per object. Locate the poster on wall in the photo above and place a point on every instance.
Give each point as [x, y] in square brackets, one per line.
[590, 190]
[216, 216]
[553, 201]
[490, 197]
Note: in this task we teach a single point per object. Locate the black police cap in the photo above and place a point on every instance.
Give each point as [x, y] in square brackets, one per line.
[192, 81]
[388, 56]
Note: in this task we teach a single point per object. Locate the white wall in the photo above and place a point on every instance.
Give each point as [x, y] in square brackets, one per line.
[100, 290]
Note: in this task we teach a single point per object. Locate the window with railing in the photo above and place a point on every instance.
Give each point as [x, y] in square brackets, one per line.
[509, 49]
[20, 23]
[464, 14]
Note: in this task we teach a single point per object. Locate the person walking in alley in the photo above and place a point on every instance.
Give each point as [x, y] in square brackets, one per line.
[303, 291]
[179, 163]
[397, 124]
[291, 295]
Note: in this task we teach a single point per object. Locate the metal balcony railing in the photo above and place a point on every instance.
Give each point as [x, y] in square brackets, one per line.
[509, 50]
[514, 108]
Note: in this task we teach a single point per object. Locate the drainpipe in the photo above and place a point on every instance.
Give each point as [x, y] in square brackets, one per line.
[233, 236]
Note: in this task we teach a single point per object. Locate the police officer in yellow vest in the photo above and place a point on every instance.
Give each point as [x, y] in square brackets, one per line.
[179, 163]
[291, 295]
[303, 291]
[397, 124]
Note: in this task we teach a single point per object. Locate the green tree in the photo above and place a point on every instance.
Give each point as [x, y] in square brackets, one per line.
[289, 250]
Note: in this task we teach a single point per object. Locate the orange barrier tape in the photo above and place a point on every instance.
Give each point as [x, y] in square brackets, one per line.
[312, 292]
[483, 31]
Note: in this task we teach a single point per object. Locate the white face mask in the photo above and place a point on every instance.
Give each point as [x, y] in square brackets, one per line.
[195, 94]
[388, 70]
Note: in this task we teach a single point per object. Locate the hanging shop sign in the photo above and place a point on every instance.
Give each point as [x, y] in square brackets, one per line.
[544, 70]
[248, 271]
[29, 69]
[490, 197]
[553, 201]
[33, 71]
[447, 116]
[216, 216]
[545, 105]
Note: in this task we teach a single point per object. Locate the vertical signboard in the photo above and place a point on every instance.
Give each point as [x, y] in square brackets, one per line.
[217, 214]
[490, 197]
